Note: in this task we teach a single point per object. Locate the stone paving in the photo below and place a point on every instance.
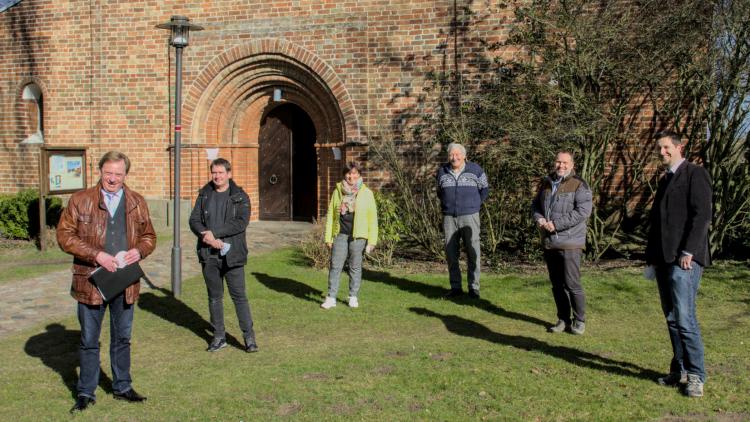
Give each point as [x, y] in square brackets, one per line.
[25, 303]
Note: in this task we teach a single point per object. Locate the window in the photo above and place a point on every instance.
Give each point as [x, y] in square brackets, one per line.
[34, 114]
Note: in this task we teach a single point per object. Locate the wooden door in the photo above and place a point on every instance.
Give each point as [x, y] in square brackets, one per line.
[275, 170]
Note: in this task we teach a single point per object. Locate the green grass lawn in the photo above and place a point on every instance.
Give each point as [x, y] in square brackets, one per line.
[25, 260]
[405, 354]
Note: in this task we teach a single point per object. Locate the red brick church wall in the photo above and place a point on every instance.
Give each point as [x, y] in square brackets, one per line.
[107, 74]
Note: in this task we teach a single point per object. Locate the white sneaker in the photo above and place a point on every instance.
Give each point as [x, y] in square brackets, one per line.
[329, 303]
[353, 303]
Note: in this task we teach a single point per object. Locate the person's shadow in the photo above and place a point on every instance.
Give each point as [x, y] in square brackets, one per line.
[468, 328]
[175, 311]
[58, 348]
[289, 286]
[434, 292]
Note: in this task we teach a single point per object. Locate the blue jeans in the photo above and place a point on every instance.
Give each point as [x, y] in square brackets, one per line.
[343, 247]
[120, 326]
[677, 291]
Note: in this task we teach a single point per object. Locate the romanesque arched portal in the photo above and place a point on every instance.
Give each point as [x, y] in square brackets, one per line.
[266, 106]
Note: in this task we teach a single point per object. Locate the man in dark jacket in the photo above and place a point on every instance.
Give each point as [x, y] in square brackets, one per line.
[678, 250]
[462, 187]
[219, 219]
[106, 227]
[561, 209]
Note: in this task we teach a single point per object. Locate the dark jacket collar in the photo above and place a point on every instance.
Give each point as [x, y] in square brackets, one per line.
[550, 178]
[208, 188]
[678, 174]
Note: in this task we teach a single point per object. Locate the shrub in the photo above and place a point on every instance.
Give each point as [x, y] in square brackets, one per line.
[14, 214]
[314, 247]
[19, 214]
[411, 169]
[390, 228]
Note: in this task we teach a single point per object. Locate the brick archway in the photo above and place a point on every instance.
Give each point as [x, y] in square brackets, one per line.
[225, 104]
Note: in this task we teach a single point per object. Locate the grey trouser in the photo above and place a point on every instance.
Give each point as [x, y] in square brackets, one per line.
[464, 227]
[214, 273]
[344, 246]
[564, 267]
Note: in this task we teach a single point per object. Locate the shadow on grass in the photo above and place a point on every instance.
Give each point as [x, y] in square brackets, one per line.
[175, 311]
[58, 348]
[468, 328]
[434, 292]
[289, 286]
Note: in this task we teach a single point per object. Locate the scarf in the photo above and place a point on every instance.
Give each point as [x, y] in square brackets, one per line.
[349, 195]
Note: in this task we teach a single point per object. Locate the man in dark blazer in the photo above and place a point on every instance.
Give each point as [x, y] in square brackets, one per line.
[678, 250]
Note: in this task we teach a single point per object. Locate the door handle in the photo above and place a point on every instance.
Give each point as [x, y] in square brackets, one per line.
[273, 179]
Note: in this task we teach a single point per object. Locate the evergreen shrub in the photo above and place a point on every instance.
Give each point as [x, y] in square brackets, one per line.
[19, 214]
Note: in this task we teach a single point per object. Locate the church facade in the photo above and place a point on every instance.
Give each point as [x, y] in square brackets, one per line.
[288, 90]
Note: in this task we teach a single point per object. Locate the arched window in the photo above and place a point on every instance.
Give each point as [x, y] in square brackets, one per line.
[34, 114]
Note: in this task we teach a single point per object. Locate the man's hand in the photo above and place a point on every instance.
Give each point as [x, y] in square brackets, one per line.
[549, 226]
[541, 222]
[686, 262]
[107, 261]
[330, 245]
[208, 237]
[132, 256]
[369, 248]
[216, 243]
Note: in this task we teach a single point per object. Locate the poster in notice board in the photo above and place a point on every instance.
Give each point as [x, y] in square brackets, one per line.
[66, 170]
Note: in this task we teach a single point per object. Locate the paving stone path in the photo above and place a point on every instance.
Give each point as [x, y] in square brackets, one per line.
[25, 303]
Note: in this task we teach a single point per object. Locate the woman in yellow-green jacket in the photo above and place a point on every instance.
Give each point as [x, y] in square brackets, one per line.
[351, 228]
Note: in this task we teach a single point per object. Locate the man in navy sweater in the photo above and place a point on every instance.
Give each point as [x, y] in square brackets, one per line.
[462, 187]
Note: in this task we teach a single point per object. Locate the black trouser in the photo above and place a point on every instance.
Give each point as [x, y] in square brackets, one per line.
[564, 266]
[214, 271]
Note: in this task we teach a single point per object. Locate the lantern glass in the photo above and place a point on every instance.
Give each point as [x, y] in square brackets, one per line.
[180, 36]
[180, 27]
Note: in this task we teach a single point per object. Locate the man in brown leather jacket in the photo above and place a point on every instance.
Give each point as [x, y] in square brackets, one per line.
[98, 223]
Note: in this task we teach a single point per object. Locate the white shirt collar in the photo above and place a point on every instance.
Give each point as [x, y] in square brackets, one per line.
[117, 194]
[674, 168]
[458, 171]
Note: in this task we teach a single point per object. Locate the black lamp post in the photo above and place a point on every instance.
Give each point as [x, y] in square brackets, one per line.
[180, 27]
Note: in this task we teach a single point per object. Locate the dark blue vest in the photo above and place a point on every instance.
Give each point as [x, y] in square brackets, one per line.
[116, 238]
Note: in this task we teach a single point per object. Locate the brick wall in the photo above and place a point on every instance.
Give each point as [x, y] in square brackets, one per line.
[107, 76]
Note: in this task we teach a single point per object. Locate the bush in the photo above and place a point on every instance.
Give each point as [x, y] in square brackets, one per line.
[314, 247]
[390, 228]
[411, 169]
[19, 214]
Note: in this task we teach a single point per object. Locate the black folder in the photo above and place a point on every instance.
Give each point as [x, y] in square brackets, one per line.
[111, 284]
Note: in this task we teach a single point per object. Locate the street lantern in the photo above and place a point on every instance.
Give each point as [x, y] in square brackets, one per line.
[180, 27]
